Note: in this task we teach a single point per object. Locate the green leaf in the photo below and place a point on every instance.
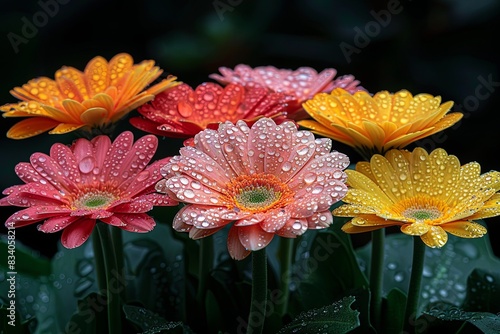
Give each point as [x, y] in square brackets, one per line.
[445, 270]
[91, 316]
[488, 323]
[394, 311]
[27, 262]
[151, 322]
[326, 271]
[483, 291]
[337, 318]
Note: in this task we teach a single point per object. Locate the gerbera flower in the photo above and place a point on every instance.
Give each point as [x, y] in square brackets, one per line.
[267, 180]
[92, 180]
[300, 84]
[95, 98]
[379, 123]
[427, 195]
[183, 112]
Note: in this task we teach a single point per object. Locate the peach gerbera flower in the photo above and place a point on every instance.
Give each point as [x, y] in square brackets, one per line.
[266, 180]
[92, 180]
[379, 123]
[427, 195]
[183, 112]
[300, 84]
[95, 98]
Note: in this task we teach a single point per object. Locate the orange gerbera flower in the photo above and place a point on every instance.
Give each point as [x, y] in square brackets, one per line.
[379, 123]
[100, 95]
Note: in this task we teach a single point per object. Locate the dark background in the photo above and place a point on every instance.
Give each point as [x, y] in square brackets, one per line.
[445, 47]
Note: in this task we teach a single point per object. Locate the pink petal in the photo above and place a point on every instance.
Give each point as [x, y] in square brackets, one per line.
[113, 220]
[115, 155]
[320, 220]
[56, 224]
[27, 173]
[269, 145]
[52, 172]
[233, 142]
[138, 205]
[64, 156]
[208, 142]
[202, 216]
[190, 190]
[146, 180]
[251, 219]
[253, 237]
[275, 220]
[198, 233]
[77, 233]
[236, 250]
[101, 145]
[138, 158]
[318, 197]
[137, 222]
[312, 176]
[293, 228]
[32, 194]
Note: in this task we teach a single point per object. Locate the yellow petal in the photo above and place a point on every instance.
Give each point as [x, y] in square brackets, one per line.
[349, 228]
[435, 238]
[31, 127]
[415, 229]
[465, 229]
[373, 195]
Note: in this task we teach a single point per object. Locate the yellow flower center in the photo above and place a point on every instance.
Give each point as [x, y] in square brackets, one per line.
[257, 193]
[421, 209]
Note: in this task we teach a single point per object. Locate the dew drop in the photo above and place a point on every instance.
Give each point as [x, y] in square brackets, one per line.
[189, 193]
[86, 165]
[144, 175]
[286, 167]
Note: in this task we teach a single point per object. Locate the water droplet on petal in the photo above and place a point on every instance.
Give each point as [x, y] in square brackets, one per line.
[87, 164]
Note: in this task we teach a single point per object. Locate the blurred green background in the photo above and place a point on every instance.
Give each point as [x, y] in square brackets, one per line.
[441, 47]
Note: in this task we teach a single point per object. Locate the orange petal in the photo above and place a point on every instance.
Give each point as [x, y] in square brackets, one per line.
[97, 75]
[65, 128]
[31, 127]
[118, 65]
[69, 77]
[94, 116]
[41, 89]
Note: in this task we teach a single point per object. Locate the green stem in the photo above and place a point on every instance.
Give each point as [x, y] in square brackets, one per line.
[257, 313]
[377, 276]
[285, 256]
[113, 287]
[204, 266]
[99, 260]
[116, 235]
[417, 267]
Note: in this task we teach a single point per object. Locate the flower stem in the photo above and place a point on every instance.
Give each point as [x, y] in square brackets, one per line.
[415, 284]
[376, 276]
[116, 235]
[204, 266]
[257, 313]
[99, 260]
[112, 291]
[286, 253]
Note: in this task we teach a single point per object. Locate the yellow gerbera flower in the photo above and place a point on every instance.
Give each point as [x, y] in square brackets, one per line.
[99, 96]
[379, 123]
[425, 194]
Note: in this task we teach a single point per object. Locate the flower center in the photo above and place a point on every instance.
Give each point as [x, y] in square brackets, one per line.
[422, 208]
[94, 200]
[257, 193]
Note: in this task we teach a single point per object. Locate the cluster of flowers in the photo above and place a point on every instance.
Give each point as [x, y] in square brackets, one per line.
[250, 159]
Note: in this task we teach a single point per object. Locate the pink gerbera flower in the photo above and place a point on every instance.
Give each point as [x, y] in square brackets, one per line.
[74, 186]
[300, 84]
[182, 112]
[267, 180]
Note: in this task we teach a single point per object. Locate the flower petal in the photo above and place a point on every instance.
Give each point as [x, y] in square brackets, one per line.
[75, 234]
[236, 249]
[465, 229]
[253, 237]
[435, 238]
